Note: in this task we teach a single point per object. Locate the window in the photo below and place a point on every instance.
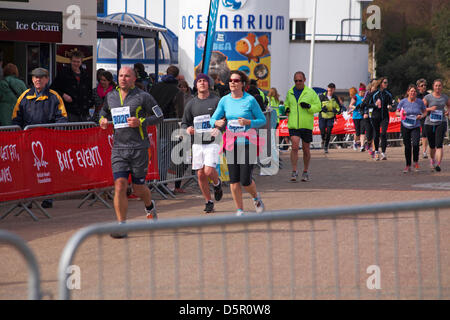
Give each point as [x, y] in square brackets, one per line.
[102, 8]
[297, 29]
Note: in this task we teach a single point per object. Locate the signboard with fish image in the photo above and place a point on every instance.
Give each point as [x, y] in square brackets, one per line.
[245, 51]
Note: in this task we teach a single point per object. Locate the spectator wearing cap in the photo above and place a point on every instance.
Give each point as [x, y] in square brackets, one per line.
[11, 87]
[39, 105]
[331, 106]
[74, 86]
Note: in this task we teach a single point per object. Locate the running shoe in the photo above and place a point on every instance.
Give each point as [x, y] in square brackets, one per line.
[425, 156]
[218, 192]
[151, 214]
[377, 156]
[371, 153]
[355, 147]
[119, 235]
[432, 165]
[209, 207]
[259, 205]
[305, 176]
[239, 212]
[362, 149]
[407, 169]
[437, 168]
[294, 176]
[416, 167]
[383, 156]
[325, 149]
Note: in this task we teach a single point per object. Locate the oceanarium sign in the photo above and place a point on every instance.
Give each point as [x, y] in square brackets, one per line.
[29, 25]
[235, 22]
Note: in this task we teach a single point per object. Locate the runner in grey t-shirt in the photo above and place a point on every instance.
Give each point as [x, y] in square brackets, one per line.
[205, 150]
[437, 105]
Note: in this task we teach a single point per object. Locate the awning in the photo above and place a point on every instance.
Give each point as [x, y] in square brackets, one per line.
[108, 28]
[117, 29]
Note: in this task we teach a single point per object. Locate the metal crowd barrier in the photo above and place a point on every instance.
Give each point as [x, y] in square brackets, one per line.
[25, 205]
[383, 251]
[10, 128]
[34, 289]
[168, 142]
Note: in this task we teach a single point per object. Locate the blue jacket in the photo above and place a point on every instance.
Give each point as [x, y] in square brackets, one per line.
[47, 108]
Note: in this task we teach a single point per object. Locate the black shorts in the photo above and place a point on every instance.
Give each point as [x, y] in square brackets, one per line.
[130, 161]
[436, 135]
[240, 163]
[304, 134]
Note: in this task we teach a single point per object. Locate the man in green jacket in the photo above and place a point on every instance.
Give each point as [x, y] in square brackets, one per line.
[11, 87]
[301, 104]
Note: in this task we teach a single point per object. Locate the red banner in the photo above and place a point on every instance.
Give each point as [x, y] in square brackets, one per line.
[341, 126]
[43, 161]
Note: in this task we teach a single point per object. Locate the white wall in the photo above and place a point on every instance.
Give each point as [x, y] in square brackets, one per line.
[330, 13]
[344, 63]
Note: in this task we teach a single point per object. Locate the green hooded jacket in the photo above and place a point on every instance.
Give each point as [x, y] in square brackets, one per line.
[10, 90]
[301, 118]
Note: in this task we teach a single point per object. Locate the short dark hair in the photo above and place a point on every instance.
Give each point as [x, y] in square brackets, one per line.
[300, 72]
[331, 85]
[77, 54]
[173, 71]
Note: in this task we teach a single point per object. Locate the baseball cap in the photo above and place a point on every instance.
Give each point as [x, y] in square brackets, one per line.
[39, 72]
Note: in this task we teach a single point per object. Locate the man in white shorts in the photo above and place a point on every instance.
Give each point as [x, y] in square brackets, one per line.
[205, 148]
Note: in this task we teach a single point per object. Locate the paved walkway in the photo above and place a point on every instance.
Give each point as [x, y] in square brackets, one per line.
[341, 178]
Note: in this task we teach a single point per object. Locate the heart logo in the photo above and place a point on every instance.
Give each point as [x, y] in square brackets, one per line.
[38, 152]
[111, 140]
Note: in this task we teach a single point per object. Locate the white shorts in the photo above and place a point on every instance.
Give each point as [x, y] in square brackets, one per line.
[205, 155]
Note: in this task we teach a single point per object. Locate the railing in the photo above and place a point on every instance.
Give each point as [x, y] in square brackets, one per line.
[34, 285]
[318, 253]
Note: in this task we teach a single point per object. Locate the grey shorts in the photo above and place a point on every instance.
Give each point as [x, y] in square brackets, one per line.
[134, 161]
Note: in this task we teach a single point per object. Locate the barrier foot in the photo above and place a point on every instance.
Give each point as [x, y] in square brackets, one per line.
[24, 207]
[166, 189]
[97, 197]
[41, 208]
[9, 211]
[189, 181]
[155, 188]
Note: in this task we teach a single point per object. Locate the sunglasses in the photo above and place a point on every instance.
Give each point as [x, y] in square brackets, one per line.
[298, 81]
[235, 80]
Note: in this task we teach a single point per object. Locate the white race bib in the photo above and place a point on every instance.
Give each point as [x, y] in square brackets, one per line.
[370, 112]
[120, 116]
[234, 126]
[436, 116]
[201, 123]
[410, 121]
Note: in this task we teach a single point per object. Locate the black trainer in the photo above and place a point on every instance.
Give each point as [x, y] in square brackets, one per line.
[218, 192]
[437, 168]
[118, 235]
[209, 207]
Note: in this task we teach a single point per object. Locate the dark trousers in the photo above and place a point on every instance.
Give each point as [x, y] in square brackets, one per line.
[378, 123]
[411, 137]
[326, 126]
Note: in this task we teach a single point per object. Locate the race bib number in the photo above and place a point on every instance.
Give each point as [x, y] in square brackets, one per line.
[201, 124]
[370, 112]
[436, 116]
[120, 116]
[410, 121]
[234, 126]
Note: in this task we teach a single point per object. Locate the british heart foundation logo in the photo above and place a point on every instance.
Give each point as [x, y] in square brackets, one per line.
[40, 163]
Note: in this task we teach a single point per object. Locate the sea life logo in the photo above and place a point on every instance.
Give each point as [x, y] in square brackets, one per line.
[233, 4]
